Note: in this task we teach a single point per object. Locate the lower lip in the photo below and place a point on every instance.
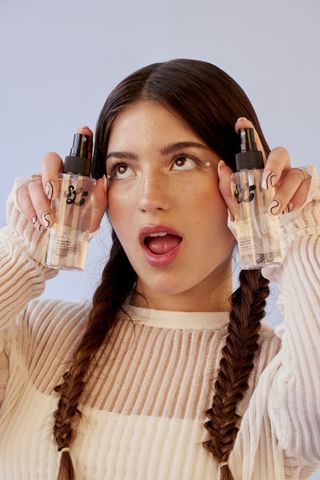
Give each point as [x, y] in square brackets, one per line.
[162, 260]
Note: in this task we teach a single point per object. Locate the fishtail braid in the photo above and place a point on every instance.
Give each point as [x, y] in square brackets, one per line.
[117, 282]
[248, 303]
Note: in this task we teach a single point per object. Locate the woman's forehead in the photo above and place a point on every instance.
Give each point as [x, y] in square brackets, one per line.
[149, 121]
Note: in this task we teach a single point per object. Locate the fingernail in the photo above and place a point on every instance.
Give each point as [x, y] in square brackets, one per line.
[268, 179]
[47, 220]
[83, 130]
[241, 118]
[37, 225]
[274, 207]
[220, 164]
[105, 183]
[288, 208]
[48, 188]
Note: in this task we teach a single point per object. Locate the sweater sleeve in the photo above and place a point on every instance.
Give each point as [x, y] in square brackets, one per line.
[22, 273]
[22, 270]
[292, 400]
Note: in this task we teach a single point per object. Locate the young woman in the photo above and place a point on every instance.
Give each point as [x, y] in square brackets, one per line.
[167, 374]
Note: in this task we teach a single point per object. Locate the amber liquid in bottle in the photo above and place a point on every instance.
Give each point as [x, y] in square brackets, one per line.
[69, 236]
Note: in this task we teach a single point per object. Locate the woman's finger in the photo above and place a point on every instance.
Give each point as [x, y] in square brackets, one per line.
[25, 204]
[100, 204]
[277, 164]
[41, 203]
[292, 193]
[52, 167]
[224, 173]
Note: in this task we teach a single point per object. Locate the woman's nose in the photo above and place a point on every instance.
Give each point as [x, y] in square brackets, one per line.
[153, 194]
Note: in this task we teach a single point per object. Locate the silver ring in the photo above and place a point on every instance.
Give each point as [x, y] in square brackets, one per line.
[305, 175]
[33, 178]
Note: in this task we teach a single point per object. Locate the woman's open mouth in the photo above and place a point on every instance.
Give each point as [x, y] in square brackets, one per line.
[160, 244]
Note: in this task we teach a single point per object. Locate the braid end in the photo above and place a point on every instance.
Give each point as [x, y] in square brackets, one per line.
[225, 473]
[66, 470]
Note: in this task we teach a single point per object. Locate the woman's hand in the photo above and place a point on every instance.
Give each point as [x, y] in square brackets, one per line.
[34, 197]
[291, 184]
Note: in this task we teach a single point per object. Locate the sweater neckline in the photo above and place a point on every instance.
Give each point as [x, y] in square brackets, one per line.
[177, 319]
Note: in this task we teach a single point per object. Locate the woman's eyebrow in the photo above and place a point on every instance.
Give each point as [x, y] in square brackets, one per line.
[173, 147]
[130, 155]
[166, 150]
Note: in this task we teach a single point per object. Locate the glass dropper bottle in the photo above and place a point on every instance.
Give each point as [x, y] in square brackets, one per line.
[257, 230]
[69, 236]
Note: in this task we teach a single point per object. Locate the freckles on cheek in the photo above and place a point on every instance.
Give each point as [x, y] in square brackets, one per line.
[117, 198]
[118, 207]
[213, 207]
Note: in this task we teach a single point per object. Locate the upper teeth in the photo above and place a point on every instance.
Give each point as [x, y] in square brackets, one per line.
[158, 234]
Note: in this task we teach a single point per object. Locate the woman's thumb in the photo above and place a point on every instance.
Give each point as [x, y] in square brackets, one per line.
[100, 204]
[224, 174]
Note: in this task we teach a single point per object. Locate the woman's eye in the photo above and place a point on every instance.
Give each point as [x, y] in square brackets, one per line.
[184, 163]
[120, 170]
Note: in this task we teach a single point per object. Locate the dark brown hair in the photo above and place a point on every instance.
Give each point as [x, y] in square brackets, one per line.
[210, 101]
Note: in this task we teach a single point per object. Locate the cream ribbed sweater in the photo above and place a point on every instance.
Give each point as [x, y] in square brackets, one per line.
[145, 403]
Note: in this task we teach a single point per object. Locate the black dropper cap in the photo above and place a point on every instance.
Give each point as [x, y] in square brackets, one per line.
[249, 157]
[79, 160]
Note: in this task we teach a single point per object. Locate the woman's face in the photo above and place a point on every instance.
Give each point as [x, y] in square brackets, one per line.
[164, 181]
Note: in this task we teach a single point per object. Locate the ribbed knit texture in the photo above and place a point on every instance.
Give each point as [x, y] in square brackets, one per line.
[145, 401]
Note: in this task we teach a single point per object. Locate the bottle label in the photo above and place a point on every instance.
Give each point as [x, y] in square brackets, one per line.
[75, 196]
[244, 236]
[244, 192]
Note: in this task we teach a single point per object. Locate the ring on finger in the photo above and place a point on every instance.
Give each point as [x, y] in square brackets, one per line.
[33, 178]
[302, 170]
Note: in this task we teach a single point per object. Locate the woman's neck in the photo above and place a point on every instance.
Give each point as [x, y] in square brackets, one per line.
[210, 295]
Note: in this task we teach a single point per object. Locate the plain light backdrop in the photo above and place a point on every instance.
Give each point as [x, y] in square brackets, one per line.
[59, 61]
